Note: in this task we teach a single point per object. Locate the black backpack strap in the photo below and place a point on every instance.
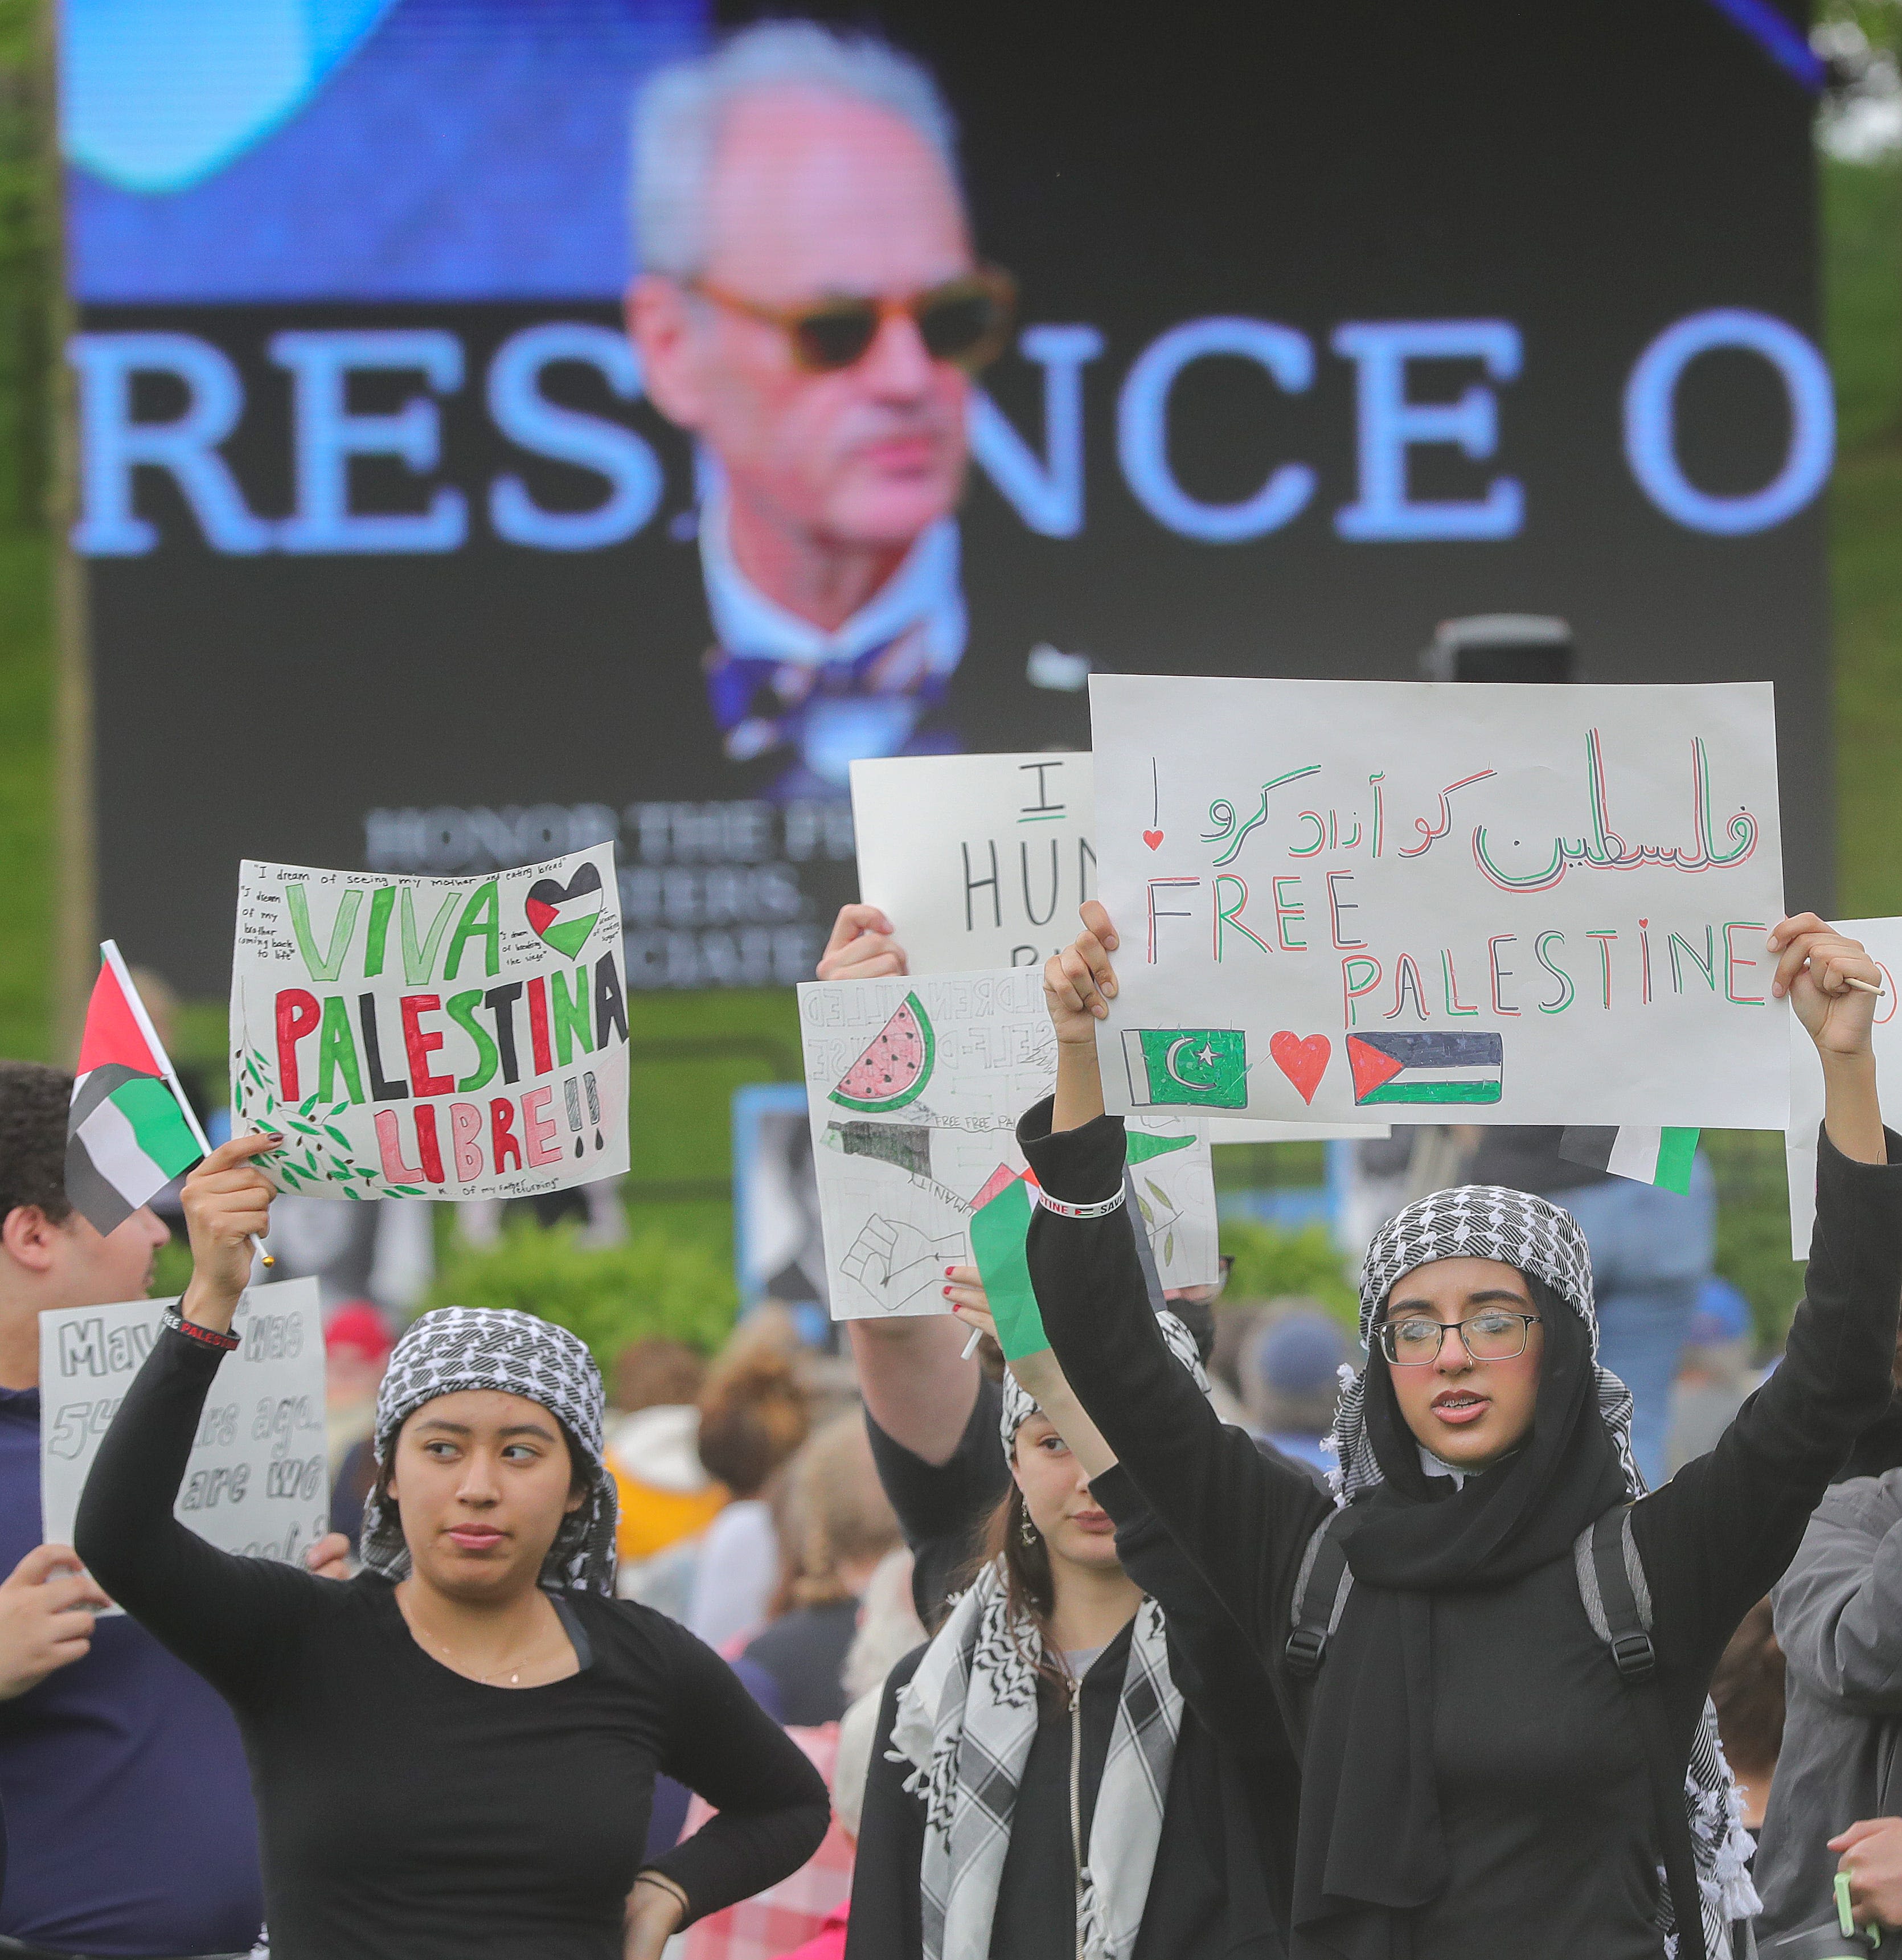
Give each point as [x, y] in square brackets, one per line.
[1618, 1602]
[1320, 1590]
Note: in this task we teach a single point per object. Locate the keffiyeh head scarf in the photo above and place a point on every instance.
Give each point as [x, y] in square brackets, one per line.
[1370, 1737]
[459, 1347]
[966, 1721]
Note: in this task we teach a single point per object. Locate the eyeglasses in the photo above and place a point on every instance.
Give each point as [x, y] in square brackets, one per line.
[964, 321]
[1495, 1335]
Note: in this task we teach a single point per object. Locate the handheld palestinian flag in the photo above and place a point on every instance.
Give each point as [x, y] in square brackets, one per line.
[1659, 1156]
[129, 1131]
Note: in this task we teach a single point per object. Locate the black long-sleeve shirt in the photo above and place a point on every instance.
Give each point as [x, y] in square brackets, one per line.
[1543, 1791]
[404, 1809]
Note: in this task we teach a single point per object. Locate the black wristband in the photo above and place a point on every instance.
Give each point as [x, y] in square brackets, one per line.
[205, 1336]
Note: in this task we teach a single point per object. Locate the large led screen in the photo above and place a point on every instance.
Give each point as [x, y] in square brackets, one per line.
[507, 423]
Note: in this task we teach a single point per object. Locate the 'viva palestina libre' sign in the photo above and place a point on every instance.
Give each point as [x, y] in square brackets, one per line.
[1422, 902]
[433, 1037]
[1400, 369]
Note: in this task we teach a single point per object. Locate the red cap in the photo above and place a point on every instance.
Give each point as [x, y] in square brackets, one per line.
[357, 1327]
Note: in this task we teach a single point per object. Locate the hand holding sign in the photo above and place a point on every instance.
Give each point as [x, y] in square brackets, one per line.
[227, 1200]
[862, 947]
[1832, 984]
[1079, 982]
[46, 1608]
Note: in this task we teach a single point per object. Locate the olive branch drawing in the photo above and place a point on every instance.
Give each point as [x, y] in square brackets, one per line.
[316, 1152]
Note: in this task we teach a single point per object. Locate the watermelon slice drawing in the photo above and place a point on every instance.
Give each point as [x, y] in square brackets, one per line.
[896, 1067]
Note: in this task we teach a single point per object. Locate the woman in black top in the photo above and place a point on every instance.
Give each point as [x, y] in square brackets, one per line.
[1055, 1710]
[454, 1752]
[1474, 1779]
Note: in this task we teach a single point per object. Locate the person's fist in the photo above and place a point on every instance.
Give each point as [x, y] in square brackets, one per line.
[1817, 966]
[227, 1202]
[861, 946]
[1871, 1854]
[329, 1557]
[1079, 982]
[47, 1602]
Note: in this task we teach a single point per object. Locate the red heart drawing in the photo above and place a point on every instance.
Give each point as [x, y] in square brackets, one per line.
[1153, 838]
[1302, 1062]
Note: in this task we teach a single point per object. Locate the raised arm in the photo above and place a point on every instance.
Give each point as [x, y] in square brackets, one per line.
[1242, 1520]
[1717, 1536]
[1839, 1607]
[226, 1616]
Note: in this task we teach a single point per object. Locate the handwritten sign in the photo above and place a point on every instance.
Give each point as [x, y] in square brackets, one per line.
[433, 1037]
[1416, 903]
[978, 861]
[915, 1087]
[257, 1482]
[1883, 937]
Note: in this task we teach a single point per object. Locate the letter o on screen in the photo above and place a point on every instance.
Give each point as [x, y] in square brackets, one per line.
[1651, 422]
[1142, 426]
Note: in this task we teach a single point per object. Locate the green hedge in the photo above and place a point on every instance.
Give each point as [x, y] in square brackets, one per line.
[653, 1284]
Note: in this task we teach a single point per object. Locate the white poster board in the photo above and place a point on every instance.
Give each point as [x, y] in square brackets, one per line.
[1883, 936]
[977, 860]
[915, 1087]
[258, 1480]
[433, 1037]
[1442, 902]
[984, 861]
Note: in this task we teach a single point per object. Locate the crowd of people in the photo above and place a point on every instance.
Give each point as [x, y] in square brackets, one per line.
[1144, 1638]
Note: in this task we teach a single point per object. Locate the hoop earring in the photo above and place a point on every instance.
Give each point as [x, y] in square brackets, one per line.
[1026, 1531]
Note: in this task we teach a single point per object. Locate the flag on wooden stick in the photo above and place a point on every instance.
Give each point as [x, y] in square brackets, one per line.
[130, 1130]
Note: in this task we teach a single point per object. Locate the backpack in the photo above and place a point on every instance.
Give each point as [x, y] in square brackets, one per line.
[1618, 1602]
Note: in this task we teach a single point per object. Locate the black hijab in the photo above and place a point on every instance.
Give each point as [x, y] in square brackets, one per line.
[1370, 1843]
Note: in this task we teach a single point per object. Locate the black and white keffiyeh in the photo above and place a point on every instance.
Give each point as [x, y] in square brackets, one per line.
[459, 1347]
[966, 1721]
[1542, 1240]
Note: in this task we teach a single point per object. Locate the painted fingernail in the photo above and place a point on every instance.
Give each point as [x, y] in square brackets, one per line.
[947, 1293]
[949, 1270]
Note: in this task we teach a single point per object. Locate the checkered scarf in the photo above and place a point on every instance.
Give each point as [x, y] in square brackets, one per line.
[1489, 1221]
[459, 1347]
[965, 1722]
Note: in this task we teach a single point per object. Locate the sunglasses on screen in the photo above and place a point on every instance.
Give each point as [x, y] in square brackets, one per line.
[964, 321]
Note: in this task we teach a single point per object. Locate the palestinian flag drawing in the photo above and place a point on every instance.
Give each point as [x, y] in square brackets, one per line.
[562, 916]
[1205, 1067]
[129, 1131]
[1646, 1155]
[1429, 1068]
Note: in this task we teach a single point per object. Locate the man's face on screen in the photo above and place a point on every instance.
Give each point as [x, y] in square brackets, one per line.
[815, 196]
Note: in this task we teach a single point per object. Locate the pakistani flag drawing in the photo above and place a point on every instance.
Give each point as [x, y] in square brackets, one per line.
[127, 1134]
[1206, 1067]
[1429, 1068]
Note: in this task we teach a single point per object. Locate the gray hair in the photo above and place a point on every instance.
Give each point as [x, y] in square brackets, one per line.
[680, 109]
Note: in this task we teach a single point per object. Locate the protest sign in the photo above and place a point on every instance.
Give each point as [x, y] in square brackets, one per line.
[977, 860]
[433, 1037]
[984, 861]
[1421, 903]
[1883, 937]
[915, 1087]
[258, 1479]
